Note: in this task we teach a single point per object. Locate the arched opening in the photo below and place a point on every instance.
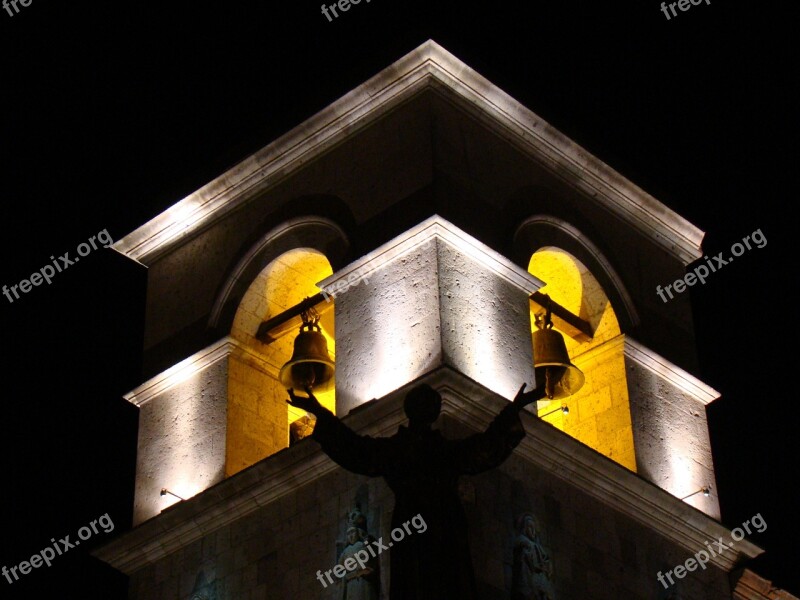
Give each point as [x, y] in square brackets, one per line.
[260, 422]
[599, 413]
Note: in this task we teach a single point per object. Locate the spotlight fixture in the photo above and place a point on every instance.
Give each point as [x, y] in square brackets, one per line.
[705, 490]
[165, 491]
[564, 409]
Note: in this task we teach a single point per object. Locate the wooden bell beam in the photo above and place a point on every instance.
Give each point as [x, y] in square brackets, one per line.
[563, 320]
[290, 319]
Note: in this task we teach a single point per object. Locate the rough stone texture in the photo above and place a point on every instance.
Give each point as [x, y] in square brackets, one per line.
[670, 430]
[391, 323]
[257, 415]
[182, 285]
[433, 153]
[600, 413]
[597, 553]
[429, 306]
[277, 551]
[483, 318]
[221, 419]
[181, 440]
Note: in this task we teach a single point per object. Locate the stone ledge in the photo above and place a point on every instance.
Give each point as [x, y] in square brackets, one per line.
[464, 400]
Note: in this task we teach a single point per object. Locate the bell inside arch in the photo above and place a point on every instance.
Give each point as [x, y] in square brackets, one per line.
[310, 365]
[552, 364]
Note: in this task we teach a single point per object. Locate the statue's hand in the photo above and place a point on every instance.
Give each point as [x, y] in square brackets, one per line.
[310, 404]
[524, 398]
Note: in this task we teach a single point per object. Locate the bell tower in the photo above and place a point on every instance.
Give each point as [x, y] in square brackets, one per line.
[425, 228]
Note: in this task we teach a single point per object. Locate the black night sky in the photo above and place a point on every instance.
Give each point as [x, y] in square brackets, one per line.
[111, 112]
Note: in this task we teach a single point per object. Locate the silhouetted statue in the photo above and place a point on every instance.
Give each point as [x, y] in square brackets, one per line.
[422, 469]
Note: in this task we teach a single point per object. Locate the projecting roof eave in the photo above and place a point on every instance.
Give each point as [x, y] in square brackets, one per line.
[429, 65]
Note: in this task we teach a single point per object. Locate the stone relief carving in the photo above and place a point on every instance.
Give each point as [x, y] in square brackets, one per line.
[359, 584]
[532, 569]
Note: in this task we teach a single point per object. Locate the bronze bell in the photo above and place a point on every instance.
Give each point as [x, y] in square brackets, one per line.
[551, 363]
[310, 365]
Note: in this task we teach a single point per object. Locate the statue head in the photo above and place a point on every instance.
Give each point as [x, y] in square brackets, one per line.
[422, 406]
[355, 518]
[527, 526]
[353, 535]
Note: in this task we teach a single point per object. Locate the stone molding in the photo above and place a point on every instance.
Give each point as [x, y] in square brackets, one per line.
[669, 371]
[432, 229]
[544, 447]
[750, 586]
[427, 67]
[195, 364]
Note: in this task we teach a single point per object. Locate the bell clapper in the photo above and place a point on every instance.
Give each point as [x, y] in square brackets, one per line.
[549, 384]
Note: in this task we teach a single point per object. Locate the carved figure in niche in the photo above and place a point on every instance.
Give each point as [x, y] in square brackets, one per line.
[203, 590]
[532, 569]
[358, 583]
[423, 468]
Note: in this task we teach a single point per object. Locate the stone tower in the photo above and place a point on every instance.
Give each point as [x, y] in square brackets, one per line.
[424, 217]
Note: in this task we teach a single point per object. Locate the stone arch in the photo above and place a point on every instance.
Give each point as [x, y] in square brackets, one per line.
[277, 272]
[313, 232]
[545, 230]
[600, 412]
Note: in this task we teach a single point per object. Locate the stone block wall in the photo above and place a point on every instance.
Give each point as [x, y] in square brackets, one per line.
[670, 428]
[257, 415]
[181, 443]
[276, 551]
[600, 412]
[596, 552]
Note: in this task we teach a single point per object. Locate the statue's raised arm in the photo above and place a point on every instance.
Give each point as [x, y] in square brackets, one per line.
[357, 453]
[483, 451]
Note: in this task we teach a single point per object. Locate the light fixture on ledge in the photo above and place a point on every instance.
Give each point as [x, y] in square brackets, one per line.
[165, 491]
[705, 490]
[311, 365]
[564, 409]
[551, 361]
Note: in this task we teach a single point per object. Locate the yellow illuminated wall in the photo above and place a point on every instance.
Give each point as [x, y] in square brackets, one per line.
[599, 414]
[258, 415]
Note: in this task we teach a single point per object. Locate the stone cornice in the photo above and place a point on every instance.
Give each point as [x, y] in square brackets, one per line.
[194, 364]
[429, 66]
[545, 447]
[750, 586]
[594, 474]
[239, 495]
[432, 229]
[669, 371]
